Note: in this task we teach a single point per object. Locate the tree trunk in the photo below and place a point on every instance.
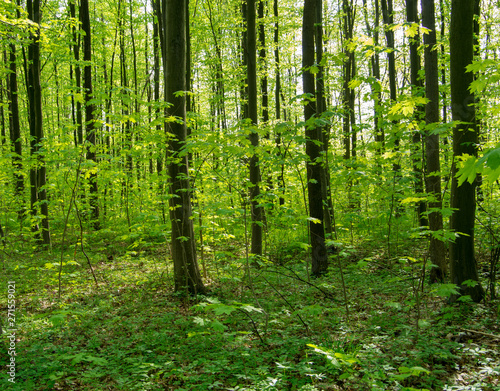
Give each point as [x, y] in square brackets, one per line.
[388, 17]
[263, 64]
[437, 251]
[251, 53]
[324, 130]
[465, 137]
[186, 272]
[90, 125]
[75, 45]
[15, 130]
[277, 95]
[156, 93]
[375, 73]
[38, 172]
[313, 150]
[416, 86]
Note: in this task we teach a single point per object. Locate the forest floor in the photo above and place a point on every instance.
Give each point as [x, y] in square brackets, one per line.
[375, 325]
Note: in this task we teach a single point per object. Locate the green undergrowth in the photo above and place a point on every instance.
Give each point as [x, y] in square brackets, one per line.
[273, 330]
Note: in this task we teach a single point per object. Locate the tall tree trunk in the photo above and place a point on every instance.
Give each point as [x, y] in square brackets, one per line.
[157, 40]
[348, 73]
[277, 96]
[254, 167]
[387, 13]
[75, 46]
[263, 63]
[465, 138]
[186, 272]
[90, 125]
[136, 92]
[37, 172]
[313, 150]
[324, 130]
[378, 131]
[437, 251]
[416, 86]
[15, 130]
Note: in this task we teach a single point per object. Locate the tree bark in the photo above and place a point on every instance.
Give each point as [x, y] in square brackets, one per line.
[437, 251]
[15, 130]
[416, 86]
[251, 53]
[324, 130]
[38, 172]
[186, 272]
[263, 64]
[90, 125]
[465, 138]
[313, 150]
[75, 45]
[277, 102]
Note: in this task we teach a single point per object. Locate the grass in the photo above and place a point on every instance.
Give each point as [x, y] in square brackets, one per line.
[132, 332]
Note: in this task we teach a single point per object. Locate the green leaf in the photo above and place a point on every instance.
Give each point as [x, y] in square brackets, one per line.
[250, 308]
[445, 290]
[411, 30]
[393, 304]
[220, 309]
[217, 326]
[199, 321]
[470, 283]
[314, 220]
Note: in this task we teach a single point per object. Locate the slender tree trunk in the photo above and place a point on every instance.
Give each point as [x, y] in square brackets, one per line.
[387, 13]
[373, 32]
[15, 130]
[263, 63]
[38, 172]
[347, 70]
[75, 45]
[186, 272]
[324, 130]
[251, 54]
[313, 150]
[465, 138]
[244, 61]
[156, 91]
[90, 125]
[437, 251]
[133, 126]
[416, 86]
[377, 96]
[277, 95]
[2, 111]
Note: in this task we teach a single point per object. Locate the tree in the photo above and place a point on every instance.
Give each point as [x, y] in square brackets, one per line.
[465, 138]
[388, 16]
[90, 125]
[186, 272]
[349, 73]
[319, 257]
[416, 86]
[38, 169]
[324, 131]
[251, 55]
[437, 251]
[75, 47]
[15, 128]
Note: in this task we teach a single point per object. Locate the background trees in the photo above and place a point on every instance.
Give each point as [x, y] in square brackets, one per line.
[102, 84]
[160, 134]
[465, 140]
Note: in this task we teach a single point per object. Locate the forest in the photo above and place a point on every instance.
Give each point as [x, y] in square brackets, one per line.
[250, 195]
